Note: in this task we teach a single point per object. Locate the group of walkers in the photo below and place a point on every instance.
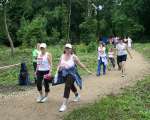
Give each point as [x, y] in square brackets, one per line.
[67, 67]
[116, 48]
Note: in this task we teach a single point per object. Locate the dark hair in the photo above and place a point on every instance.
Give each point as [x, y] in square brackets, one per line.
[102, 43]
[72, 52]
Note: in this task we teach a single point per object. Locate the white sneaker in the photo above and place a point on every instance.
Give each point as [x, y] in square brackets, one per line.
[44, 99]
[63, 108]
[123, 75]
[39, 99]
[77, 98]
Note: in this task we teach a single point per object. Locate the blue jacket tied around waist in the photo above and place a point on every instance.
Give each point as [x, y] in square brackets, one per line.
[70, 71]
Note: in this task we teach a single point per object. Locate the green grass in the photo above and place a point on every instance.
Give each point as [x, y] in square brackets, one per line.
[10, 76]
[143, 48]
[133, 104]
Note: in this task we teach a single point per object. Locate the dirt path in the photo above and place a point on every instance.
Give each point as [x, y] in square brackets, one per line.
[22, 106]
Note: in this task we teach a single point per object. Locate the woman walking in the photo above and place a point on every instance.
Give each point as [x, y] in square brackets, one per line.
[102, 59]
[111, 58]
[35, 53]
[68, 67]
[44, 67]
[122, 51]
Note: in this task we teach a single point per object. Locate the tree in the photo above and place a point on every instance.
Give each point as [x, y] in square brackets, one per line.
[69, 20]
[32, 32]
[3, 5]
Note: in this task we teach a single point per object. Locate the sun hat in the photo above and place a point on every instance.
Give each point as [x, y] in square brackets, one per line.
[43, 45]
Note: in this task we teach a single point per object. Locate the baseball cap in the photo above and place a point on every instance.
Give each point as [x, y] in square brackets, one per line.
[68, 45]
[43, 45]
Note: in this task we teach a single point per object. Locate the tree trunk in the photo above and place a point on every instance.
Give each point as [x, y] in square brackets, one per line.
[8, 35]
[69, 22]
[88, 8]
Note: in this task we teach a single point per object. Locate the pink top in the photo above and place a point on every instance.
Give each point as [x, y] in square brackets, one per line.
[67, 63]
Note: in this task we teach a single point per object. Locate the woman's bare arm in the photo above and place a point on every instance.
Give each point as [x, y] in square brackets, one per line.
[50, 61]
[78, 62]
[129, 53]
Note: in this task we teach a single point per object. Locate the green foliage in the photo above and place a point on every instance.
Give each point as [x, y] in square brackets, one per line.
[31, 33]
[81, 48]
[88, 30]
[125, 26]
[92, 47]
[118, 17]
[10, 76]
[143, 48]
[57, 24]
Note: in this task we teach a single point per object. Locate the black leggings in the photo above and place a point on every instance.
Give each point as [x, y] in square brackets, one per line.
[69, 85]
[118, 62]
[112, 60]
[40, 78]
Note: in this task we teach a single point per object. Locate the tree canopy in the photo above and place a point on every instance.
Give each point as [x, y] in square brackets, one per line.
[31, 21]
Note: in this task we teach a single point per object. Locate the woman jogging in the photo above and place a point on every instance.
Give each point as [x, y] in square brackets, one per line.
[68, 66]
[122, 51]
[44, 67]
[102, 59]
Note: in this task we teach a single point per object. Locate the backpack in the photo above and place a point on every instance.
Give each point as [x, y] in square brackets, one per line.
[24, 75]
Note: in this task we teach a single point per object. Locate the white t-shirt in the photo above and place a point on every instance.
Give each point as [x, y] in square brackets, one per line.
[121, 49]
[101, 52]
[129, 42]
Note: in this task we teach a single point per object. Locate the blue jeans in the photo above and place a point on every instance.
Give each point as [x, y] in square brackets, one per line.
[100, 62]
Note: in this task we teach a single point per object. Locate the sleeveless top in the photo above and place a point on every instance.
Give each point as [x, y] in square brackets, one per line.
[42, 62]
[111, 54]
[67, 64]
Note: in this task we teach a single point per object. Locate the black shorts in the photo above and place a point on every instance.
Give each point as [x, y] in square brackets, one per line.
[122, 58]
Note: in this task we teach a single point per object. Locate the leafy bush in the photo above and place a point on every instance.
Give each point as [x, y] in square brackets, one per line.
[82, 48]
[88, 30]
[32, 32]
[92, 47]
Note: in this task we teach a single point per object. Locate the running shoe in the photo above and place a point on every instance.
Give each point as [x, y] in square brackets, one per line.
[77, 98]
[39, 99]
[44, 99]
[63, 108]
[123, 75]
